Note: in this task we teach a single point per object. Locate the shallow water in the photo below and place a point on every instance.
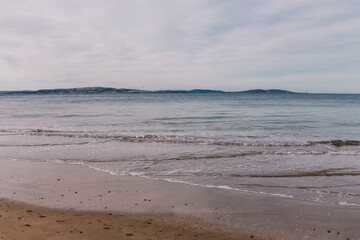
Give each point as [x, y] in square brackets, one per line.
[280, 144]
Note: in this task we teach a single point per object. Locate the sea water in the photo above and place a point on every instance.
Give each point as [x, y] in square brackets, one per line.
[301, 146]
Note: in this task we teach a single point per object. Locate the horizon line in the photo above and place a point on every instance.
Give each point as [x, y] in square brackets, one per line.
[184, 90]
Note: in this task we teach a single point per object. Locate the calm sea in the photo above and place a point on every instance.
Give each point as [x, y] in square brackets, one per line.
[277, 144]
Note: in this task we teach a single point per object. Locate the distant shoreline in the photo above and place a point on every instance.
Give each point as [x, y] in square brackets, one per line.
[102, 90]
[106, 90]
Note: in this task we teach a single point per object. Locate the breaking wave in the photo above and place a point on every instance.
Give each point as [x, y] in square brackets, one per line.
[173, 139]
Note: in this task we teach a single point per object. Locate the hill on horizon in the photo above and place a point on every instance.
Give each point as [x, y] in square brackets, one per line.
[101, 90]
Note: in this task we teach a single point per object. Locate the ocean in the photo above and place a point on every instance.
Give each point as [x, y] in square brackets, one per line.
[301, 146]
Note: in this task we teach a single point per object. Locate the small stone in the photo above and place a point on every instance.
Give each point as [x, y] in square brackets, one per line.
[129, 234]
[27, 225]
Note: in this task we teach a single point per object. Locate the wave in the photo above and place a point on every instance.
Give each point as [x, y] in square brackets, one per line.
[345, 203]
[226, 187]
[44, 144]
[320, 173]
[340, 143]
[174, 139]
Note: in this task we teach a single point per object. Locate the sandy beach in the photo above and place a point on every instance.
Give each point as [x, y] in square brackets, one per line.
[96, 205]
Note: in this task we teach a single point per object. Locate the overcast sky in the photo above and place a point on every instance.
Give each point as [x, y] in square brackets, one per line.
[307, 45]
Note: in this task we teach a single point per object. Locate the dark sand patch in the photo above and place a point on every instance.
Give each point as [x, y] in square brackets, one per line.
[22, 221]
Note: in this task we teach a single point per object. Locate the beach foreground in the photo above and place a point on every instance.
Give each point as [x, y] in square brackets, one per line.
[152, 209]
[22, 221]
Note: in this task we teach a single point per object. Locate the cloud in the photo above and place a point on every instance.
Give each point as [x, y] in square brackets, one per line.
[180, 44]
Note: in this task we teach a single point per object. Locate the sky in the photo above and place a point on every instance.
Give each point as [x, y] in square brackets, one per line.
[305, 46]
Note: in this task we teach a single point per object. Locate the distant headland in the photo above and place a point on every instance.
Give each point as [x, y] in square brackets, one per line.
[105, 90]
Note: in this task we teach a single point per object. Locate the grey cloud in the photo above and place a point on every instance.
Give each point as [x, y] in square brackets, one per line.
[178, 44]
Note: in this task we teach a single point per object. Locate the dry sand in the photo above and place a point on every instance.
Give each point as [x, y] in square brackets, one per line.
[173, 208]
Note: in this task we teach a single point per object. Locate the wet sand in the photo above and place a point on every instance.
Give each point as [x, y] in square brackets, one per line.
[173, 207]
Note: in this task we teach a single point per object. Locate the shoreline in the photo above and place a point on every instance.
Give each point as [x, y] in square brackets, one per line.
[79, 188]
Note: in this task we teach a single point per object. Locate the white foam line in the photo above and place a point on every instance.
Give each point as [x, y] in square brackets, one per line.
[344, 203]
[141, 174]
